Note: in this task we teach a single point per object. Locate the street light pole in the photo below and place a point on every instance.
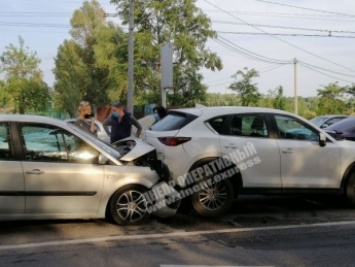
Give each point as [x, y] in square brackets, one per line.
[295, 100]
[130, 82]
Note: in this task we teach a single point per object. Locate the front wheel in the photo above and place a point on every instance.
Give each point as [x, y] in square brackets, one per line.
[350, 190]
[213, 199]
[128, 205]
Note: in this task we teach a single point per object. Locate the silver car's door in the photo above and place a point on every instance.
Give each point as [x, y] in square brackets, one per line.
[304, 163]
[12, 186]
[60, 172]
[246, 139]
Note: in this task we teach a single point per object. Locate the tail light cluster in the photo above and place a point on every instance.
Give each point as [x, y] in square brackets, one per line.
[174, 141]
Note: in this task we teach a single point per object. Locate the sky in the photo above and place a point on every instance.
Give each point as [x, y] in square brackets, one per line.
[261, 34]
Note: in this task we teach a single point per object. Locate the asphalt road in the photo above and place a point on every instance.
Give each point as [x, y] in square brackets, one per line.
[258, 231]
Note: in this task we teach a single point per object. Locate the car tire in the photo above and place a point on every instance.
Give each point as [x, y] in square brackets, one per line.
[350, 190]
[128, 205]
[214, 199]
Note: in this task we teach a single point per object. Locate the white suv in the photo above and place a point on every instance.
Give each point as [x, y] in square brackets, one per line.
[215, 154]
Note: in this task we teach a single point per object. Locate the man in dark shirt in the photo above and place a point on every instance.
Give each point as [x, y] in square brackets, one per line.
[121, 123]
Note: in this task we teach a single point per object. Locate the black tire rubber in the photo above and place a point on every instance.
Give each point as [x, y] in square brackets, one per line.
[350, 190]
[135, 209]
[204, 211]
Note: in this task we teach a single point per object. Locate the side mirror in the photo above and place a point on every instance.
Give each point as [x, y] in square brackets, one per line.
[324, 126]
[322, 139]
[103, 159]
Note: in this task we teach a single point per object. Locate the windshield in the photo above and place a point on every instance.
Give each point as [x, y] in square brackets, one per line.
[98, 142]
[318, 121]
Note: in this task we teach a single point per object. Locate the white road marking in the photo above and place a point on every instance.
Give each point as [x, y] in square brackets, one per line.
[172, 234]
[209, 266]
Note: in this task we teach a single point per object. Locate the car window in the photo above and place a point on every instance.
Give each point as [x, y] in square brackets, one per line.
[173, 121]
[50, 144]
[253, 125]
[291, 128]
[5, 145]
[333, 120]
[217, 124]
[318, 121]
[345, 125]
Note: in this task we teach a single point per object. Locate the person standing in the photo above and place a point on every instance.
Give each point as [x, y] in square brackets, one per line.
[86, 119]
[159, 113]
[121, 123]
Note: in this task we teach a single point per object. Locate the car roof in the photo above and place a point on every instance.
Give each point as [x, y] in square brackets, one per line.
[341, 124]
[229, 109]
[332, 116]
[30, 118]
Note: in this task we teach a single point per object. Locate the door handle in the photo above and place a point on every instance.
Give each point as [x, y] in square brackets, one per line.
[233, 146]
[287, 151]
[35, 171]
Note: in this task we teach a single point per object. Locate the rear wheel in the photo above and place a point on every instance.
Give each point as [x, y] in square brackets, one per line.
[350, 190]
[128, 205]
[213, 199]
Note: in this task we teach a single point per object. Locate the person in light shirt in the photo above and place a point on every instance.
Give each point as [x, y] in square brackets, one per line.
[86, 119]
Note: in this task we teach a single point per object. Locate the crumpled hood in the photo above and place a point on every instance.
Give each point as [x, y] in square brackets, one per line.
[132, 148]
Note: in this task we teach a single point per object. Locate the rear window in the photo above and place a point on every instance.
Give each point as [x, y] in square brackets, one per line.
[173, 121]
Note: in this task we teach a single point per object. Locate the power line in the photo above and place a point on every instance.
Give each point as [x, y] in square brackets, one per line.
[276, 14]
[269, 68]
[35, 14]
[222, 83]
[35, 32]
[310, 9]
[272, 68]
[332, 71]
[281, 27]
[325, 74]
[242, 13]
[60, 2]
[251, 54]
[289, 34]
[293, 16]
[28, 24]
[275, 37]
[236, 50]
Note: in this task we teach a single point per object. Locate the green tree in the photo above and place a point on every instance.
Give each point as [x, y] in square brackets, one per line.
[87, 22]
[331, 99]
[83, 70]
[350, 93]
[3, 95]
[247, 91]
[71, 77]
[188, 28]
[24, 86]
[279, 102]
[110, 54]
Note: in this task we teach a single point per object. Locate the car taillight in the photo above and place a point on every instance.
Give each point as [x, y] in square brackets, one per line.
[173, 141]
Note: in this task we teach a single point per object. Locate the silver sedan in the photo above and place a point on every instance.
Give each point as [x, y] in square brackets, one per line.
[49, 169]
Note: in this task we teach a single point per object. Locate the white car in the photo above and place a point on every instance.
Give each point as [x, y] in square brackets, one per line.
[50, 169]
[215, 154]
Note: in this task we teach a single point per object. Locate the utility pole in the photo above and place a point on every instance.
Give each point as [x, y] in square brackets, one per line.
[295, 100]
[166, 66]
[130, 85]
